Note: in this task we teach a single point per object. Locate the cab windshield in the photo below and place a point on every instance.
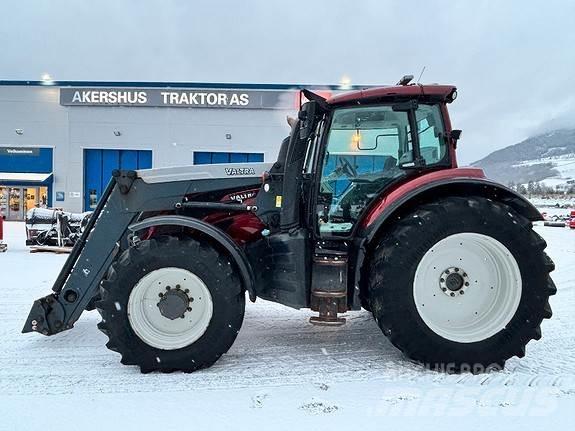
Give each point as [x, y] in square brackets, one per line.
[366, 150]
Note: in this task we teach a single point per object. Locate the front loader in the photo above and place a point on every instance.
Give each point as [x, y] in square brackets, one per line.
[365, 207]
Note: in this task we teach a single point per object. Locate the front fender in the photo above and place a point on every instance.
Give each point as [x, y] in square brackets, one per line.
[223, 239]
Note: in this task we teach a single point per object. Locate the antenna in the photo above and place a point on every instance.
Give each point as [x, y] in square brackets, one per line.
[420, 75]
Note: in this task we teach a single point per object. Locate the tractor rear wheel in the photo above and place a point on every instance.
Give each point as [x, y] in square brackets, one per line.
[461, 284]
[169, 304]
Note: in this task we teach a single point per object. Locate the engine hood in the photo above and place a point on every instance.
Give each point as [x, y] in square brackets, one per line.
[203, 172]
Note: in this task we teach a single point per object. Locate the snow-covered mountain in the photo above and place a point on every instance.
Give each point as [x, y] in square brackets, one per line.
[548, 159]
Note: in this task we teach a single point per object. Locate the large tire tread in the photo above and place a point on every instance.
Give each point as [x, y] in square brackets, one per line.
[393, 253]
[225, 287]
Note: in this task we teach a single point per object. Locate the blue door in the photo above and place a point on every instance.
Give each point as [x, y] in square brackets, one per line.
[98, 167]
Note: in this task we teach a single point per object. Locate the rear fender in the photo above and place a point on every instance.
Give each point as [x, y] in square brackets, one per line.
[405, 199]
[217, 235]
[409, 198]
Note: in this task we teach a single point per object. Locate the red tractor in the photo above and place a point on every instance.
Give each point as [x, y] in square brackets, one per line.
[364, 207]
[572, 219]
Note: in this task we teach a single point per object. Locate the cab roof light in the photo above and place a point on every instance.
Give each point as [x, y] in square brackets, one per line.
[405, 80]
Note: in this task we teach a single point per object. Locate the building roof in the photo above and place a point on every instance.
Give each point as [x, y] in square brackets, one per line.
[157, 84]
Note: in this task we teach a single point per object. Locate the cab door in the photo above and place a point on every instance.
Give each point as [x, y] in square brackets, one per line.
[367, 150]
[364, 152]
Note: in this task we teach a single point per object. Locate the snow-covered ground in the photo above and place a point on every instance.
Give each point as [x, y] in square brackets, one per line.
[558, 207]
[560, 202]
[282, 373]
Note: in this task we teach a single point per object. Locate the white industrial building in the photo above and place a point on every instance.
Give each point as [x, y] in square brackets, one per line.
[60, 141]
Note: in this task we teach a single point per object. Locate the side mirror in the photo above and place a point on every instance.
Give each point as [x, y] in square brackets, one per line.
[455, 134]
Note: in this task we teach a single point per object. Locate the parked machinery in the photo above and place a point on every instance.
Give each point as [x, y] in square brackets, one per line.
[53, 227]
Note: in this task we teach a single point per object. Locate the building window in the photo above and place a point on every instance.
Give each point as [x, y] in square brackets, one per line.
[209, 158]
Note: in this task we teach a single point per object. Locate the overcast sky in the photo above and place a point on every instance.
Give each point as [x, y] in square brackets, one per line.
[512, 61]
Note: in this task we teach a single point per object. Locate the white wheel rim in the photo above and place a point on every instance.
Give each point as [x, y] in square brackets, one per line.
[155, 329]
[487, 303]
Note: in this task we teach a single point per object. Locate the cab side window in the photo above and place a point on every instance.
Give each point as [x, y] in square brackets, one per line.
[430, 131]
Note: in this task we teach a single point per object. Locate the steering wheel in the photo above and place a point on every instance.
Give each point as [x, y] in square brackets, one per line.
[348, 168]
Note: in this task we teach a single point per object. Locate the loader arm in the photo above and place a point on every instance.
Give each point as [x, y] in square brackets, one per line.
[126, 197]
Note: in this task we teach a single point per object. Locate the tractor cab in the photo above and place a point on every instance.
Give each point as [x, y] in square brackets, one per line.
[343, 155]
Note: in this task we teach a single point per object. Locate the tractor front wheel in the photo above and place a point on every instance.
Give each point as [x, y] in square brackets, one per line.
[461, 284]
[170, 304]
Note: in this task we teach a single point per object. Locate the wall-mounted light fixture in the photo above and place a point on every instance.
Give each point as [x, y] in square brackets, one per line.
[228, 136]
[19, 131]
[47, 79]
[345, 83]
[117, 133]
